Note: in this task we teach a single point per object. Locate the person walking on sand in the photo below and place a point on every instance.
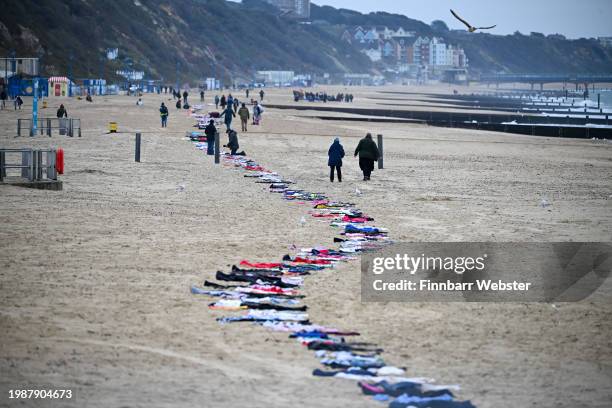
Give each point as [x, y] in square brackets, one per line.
[62, 112]
[228, 113]
[257, 110]
[163, 113]
[261, 94]
[3, 98]
[223, 102]
[216, 101]
[335, 154]
[244, 114]
[210, 131]
[368, 154]
[185, 95]
[247, 93]
[18, 102]
[201, 96]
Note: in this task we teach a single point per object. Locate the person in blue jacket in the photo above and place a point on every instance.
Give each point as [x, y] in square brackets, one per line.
[335, 153]
[228, 114]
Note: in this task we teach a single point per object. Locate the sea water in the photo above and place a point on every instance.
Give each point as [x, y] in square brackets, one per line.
[606, 98]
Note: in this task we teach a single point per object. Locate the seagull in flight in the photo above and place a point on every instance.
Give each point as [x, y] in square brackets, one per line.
[470, 27]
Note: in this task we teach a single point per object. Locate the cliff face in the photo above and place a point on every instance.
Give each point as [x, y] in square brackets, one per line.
[205, 37]
[231, 40]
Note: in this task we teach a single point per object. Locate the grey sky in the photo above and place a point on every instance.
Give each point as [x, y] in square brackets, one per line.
[572, 18]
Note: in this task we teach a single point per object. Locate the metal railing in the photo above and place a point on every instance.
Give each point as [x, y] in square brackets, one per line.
[35, 165]
[64, 126]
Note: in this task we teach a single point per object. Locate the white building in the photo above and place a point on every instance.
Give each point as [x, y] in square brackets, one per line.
[420, 51]
[212, 83]
[452, 58]
[12, 66]
[437, 52]
[112, 53]
[275, 77]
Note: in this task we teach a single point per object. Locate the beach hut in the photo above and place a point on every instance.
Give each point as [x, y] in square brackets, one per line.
[25, 87]
[95, 86]
[59, 86]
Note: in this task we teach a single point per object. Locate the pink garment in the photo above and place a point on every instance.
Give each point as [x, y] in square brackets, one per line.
[356, 220]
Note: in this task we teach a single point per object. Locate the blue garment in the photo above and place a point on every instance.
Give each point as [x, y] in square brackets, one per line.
[361, 229]
[335, 153]
[310, 334]
[411, 399]
[436, 402]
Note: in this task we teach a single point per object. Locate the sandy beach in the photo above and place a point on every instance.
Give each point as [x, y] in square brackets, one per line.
[95, 279]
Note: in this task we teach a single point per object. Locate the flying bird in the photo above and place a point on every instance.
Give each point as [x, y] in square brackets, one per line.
[470, 27]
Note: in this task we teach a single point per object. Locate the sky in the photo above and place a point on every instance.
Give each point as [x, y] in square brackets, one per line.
[572, 18]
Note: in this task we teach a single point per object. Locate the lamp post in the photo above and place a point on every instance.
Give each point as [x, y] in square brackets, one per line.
[35, 108]
[101, 75]
[70, 74]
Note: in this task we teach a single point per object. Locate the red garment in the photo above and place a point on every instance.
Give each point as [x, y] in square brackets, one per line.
[357, 220]
[273, 289]
[260, 265]
[311, 261]
[325, 215]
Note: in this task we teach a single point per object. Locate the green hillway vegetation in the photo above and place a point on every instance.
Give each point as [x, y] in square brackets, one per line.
[232, 40]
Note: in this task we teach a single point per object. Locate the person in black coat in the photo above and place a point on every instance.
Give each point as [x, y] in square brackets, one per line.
[233, 144]
[335, 154]
[62, 112]
[210, 132]
[368, 154]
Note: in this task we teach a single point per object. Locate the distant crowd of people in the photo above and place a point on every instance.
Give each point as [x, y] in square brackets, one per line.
[321, 96]
[230, 107]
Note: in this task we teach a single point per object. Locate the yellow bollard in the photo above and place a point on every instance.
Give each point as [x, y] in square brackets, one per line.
[112, 127]
[44, 104]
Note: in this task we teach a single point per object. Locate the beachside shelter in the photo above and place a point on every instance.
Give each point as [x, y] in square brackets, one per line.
[58, 86]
